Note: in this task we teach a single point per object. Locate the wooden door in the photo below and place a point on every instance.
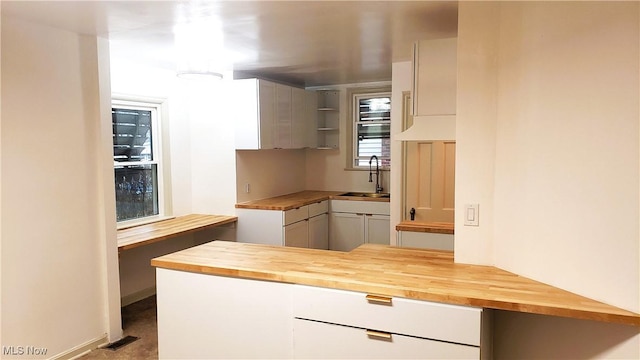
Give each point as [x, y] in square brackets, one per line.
[430, 180]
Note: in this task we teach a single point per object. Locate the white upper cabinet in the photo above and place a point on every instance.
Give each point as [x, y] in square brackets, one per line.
[254, 104]
[269, 115]
[434, 77]
[299, 119]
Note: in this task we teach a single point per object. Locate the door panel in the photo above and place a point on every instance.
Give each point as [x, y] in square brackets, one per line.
[430, 180]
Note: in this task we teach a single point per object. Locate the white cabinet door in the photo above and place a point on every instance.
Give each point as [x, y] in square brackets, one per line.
[215, 317]
[299, 120]
[435, 74]
[311, 118]
[254, 113]
[282, 133]
[318, 340]
[319, 232]
[347, 231]
[267, 113]
[297, 234]
[259, 226]
[376, 229]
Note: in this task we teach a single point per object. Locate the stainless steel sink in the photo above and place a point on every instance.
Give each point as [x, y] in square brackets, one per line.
[366, 194]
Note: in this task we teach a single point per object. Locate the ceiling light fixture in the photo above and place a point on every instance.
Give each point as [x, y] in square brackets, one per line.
[200, 51]
[198, 74]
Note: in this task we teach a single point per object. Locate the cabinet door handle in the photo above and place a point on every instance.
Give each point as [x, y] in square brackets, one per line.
[369, 214]
[381, 299]
[359, 214]
[379, 335]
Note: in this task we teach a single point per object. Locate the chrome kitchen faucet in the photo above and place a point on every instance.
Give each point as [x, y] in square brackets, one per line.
[378, 187]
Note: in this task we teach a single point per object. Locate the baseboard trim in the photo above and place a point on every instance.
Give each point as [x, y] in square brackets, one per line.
[137, 296]
[82, 349]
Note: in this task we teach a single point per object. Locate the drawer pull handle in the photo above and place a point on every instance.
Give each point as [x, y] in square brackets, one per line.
[380, 335]
[381, 299]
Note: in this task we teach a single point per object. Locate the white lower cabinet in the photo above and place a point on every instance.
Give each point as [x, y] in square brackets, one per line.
[215, 317]
[297, 234]
[424, 240]
[376, 229]
[332, 323]
[354, 223]
[319, 232]
[212, 317]
[299, 227]
[318, 340]
[347, 231]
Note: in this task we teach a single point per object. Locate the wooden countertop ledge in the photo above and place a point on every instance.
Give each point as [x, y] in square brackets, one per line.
[298, 199]
[139, 235]
[392, 271]
[432, 227]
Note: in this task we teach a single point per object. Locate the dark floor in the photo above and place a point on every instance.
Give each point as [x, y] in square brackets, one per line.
[140, 320]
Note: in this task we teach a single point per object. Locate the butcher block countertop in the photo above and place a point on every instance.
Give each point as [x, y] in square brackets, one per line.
[432, 227]
[302, 198]
[139, 235]
[392, 271]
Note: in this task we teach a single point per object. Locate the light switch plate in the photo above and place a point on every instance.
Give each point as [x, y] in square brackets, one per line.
[471, 215]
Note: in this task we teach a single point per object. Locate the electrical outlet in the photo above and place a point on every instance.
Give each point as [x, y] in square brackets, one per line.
[471, 215]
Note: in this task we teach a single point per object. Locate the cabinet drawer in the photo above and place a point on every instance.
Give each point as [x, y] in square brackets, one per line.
[318, 208]
[316, 340]
[459, 324]
[295, 215]
[361, 207]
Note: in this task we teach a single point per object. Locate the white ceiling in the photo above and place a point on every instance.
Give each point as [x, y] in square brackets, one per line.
[308, 43]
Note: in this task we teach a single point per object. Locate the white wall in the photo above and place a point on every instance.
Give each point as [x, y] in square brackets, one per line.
[56, 254]
[402, 75]
[269, 173]
[548, 109]
[213, 157]
[476, 113]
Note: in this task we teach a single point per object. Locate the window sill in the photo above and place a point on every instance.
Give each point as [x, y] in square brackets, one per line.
[144, 221]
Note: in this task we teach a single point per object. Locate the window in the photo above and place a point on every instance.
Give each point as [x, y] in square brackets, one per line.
[136, 159]
[372, 128]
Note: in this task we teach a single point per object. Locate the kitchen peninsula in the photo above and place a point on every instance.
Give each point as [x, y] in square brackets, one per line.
[281, 300]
